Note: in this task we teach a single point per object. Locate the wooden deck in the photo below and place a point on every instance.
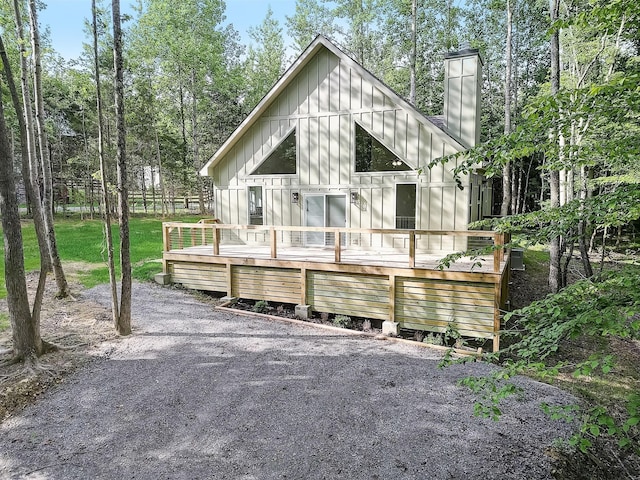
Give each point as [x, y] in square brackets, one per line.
[382, 274]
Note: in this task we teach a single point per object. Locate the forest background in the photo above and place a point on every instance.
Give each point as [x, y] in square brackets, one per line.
[560, 130]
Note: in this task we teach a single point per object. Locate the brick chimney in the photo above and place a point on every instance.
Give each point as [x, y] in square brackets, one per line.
[462, 90]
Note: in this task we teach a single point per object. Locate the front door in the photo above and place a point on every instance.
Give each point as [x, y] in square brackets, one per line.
[324, 211]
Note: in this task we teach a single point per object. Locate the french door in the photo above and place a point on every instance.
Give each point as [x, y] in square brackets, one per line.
[324, 211]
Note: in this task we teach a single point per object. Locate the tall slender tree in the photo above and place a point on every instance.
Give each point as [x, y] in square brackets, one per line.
[45, 162]
[115, 309]
[28, 144]
[27, 343]
[555, 251]
[506, 172]
[123, 324]
[265, 60]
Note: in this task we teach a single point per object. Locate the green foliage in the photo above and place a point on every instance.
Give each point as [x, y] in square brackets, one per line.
[615, 208]
[342, 321]
[261, 306]
[608, 306]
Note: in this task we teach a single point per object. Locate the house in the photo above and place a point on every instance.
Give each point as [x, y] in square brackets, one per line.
[324, 199]
[330, 145]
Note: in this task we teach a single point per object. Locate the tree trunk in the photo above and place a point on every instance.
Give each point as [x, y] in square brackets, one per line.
[124, 321]
[27, 343]
[506, 172]
[36, 208]
[115, 310]
[30, 146]
[414, 48]
[555, 253]
[61, 281]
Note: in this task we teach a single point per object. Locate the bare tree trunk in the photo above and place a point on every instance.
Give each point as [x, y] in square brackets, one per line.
[28, 186]
[115, 310]
[414, 55]
[30, 145]
[61, 281]
[124, 321]
[27, 343]
[163, 196]
[555, 252]
[506, 171]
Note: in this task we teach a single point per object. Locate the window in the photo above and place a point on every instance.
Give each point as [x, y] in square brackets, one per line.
[373, 156]
[281, 160]
[255, 206]
[406, 206]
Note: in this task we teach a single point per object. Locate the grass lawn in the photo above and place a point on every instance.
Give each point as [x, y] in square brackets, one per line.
[84, 241]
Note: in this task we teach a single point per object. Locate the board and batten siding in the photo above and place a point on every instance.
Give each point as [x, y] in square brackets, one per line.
[323, 102]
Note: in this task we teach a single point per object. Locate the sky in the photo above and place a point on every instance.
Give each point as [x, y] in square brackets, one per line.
[65, 18]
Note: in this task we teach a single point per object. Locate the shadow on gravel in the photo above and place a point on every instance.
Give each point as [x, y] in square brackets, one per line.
[219, 396]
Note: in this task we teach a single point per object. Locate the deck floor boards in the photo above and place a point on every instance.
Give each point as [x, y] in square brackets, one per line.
[383, 258]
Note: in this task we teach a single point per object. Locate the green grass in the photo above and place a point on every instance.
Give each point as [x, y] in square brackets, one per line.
[84, 241]
[4, 322]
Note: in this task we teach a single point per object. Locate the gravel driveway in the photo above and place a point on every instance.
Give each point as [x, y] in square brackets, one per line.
[201, 394]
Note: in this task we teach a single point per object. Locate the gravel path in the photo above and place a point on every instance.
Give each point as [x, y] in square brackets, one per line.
[201, 394]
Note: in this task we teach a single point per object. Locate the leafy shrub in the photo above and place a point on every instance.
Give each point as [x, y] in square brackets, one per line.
[608, 306]
[261, 306]
[342, 321]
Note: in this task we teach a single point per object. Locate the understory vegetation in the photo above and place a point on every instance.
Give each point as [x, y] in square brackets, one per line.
[584, 339]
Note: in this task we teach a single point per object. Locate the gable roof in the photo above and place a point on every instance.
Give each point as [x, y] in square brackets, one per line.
[305, 57]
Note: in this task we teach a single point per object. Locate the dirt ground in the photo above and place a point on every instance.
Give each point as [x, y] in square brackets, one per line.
[198, 393]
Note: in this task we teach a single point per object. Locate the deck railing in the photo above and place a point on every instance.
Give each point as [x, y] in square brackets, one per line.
[178, 236]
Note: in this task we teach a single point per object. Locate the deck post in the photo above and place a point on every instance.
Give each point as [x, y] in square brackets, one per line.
[496, 315]
[273, 241]
[392, 298]
[412, 249]
[166, 238]
[303, 286]
[216, 242]
[337, 247]
[203, 231]
[496, 252]
[229, 280]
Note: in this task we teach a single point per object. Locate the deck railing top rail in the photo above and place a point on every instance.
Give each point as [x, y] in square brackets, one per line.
[289, 228]
[499, 239]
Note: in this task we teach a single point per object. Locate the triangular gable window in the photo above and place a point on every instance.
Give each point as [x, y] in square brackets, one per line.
[373, 156]
[281, 160]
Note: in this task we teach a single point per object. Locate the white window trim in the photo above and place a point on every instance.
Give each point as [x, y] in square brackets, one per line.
[273, 148]
[384, 144]
[415, 211]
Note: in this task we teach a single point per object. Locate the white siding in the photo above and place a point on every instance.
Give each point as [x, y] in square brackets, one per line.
[323, 102]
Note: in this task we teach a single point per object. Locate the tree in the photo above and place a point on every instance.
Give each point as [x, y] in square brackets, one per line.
[265, 60]
[28, 144]
[27, 343]
[115, 309]
[310, 19]
[506, 173]
[47, 200]
[123, 324]
[192, 60]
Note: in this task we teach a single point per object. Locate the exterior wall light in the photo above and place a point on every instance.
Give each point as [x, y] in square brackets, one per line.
[295, 197]
[354, 197]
